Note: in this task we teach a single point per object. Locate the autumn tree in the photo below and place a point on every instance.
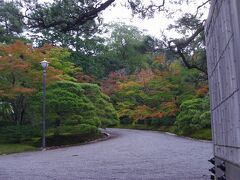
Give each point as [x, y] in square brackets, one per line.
[154, 96]
[112, 83]
[71, 23]
[21, 75]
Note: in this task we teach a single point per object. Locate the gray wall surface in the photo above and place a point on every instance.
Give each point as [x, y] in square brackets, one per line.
[223, 52]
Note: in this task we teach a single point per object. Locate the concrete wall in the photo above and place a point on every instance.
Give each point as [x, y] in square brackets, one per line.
[223, 53]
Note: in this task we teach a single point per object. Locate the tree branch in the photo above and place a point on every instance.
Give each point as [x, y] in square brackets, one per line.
[188, 65]
[145, 10]
[40, 22]
[180, 45]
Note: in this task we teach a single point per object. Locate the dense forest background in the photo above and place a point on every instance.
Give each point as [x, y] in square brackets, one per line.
[123, 79]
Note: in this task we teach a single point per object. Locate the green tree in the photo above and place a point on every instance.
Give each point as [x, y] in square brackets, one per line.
[63, 16]
[10, 25]
[90, 56]
[127, 49]
[70, 103]
[62, 22]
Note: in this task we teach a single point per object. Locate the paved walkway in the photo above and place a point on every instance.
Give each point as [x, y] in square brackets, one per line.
[130, 155]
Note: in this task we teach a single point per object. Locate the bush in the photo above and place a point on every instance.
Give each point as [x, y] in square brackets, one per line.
[164, 121]
[66, 135]
[155, 122]
[73, 120]
[205, 120]
[6, 123]
[202, 134]
[125, 120]
[77, 129]
[194, 115]
[18, 134]
[146, 121]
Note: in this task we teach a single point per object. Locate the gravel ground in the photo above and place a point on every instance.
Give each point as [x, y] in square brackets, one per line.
[128, 155]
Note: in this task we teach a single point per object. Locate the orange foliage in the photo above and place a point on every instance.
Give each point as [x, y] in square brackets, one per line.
[83, 78]
[113, 82]
[170, 108]
[53, 74]
[160, 59]
[145, 75]
[19, 65]
[141, 112]
[129, 84]
[157, 115]
[202, 90]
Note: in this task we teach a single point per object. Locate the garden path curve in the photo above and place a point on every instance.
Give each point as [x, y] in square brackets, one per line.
[128, 155]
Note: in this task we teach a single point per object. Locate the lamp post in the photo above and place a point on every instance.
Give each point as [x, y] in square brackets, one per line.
[44, 65]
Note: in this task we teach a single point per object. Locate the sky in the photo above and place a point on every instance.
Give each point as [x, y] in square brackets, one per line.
[153, 26]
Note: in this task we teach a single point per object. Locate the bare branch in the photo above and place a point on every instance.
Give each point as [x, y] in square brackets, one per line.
[145, 10]
[200, 6]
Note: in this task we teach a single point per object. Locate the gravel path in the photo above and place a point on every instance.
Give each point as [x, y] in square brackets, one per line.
[129, 155]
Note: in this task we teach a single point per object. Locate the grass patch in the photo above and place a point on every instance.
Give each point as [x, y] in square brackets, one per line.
[15, 148]
[203, 134]
[138, 126]
[170, 129]
[144, 127]
[17, 140]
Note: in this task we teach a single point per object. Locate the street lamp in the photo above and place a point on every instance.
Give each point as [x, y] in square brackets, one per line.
[44, 65]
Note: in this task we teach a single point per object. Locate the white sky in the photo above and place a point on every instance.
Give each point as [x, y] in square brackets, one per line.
[153, 26]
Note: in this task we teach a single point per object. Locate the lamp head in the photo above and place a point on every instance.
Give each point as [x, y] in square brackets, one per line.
[44, 64]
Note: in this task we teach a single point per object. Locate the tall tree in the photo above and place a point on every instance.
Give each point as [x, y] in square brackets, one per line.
[63, 15]
[62, 21]
[10, 25]
[127, 49]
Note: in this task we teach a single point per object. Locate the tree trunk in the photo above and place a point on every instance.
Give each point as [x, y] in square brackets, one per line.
[19, 106]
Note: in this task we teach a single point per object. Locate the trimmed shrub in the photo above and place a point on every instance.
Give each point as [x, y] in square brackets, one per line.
[194, 115]
[18, 134]
[79, 129]
[66, 135]
[125, 120]
[70, 103]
